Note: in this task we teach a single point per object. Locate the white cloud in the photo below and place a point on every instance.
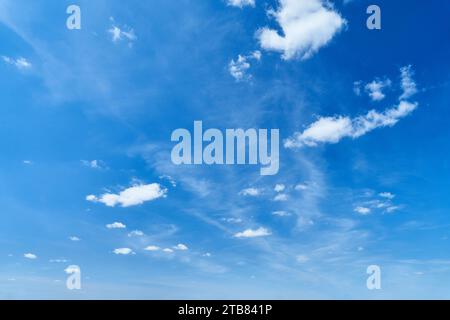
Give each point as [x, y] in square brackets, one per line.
[387, 195]
[252, 192]
[168, 250]
[116, 225]
[241, 3]
[375, 89]
[279, 187]
[74, 238]
[362, 211]
[132, 196]
[232, 220]
[392, 209]
[72, 269]
[280, 197]
[302, 259]
[58, 260]
[181, 247]
[123, 251]
[152, 248]
[250, 233]
[281, 213]
[122, 33]
[136, 233]
[238, 68]
[30, 256]
[27, 162]
[94, 164]
[333, 129]
[307, 26]
[301, 187]
[408, 85]
[19, 63]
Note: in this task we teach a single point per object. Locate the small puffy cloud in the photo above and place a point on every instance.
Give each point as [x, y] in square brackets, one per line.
[281, 213]
[387, 195]
[74, 238]
[123, 33]
[251, 233]
[135, 195]
[152, 248]
[136, 233]
[307, 26]
[241, 3]
[408, 85]
[123, 251]
[168, 250]
[19, 63]
[238, 67]
[362, 211]
[280, 197]
[375, 89]
[30, 256]
[116, 225]
[93, 164]
[279, 187]
[251, 192]
[181, 247]
[27, 162]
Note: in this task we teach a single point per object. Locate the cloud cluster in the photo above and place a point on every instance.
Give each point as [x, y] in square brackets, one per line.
[334, 129]
[238, 68]
[307, 26]
[135, 195]
[241, 3]
[19, 63]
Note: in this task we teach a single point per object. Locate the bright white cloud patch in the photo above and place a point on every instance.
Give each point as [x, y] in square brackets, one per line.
[334, 129]
[241, 3]
[74, 238]
[116, 225]
[152, 248]
[238, 68]
[279, 188]
[375, 89]
[408, 85]
[252, 192]
[181, 247]
[307, 26]
[250, 233]
[132, 196]
[19, 63]
[136, 233]
[123, 251]
[30, 256]
[168, 250]
[362, 211]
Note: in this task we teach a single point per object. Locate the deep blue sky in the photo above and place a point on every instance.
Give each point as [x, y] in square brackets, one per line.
[81, 96]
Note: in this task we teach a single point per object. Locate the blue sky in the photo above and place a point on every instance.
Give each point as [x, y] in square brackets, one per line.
[364, 171]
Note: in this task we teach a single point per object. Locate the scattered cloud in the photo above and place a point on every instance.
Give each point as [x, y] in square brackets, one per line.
[250, 233]
[362, 211]
[307, 26]
[279, 188]
[123, 33]
[168, 250]
[281, 197]
[116, 225]
[181, 247]
[136, 233]
[281, 213]
[241, 3]
[152, 248]
[238, 68]
[136, 195]
[19, 63]
[408, 85]
[60, 260]
[251, 192]
[387, 195]
[301, 187]
[123, 251]
[27, 162]
[94, 164]
[30, 256]
[74, 238]
[375, 89]
[72, 269]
